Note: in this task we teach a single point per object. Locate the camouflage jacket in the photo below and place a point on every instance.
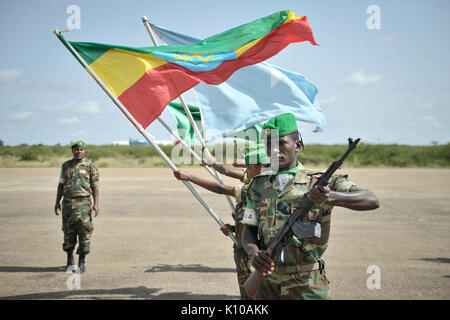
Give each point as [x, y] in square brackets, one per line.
[273, 197]
[240, 193]
[78, 181]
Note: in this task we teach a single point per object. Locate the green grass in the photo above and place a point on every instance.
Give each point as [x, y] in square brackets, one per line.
[368, 155]
[365, 155]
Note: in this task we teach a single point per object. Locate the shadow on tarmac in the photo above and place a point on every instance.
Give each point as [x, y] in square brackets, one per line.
[130, 293]
[31, 269]
[439, 260]
[188, 268]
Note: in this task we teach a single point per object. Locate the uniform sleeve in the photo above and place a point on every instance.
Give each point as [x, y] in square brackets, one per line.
[62, 175]
[249, 213]
[341, 183]
[245, 178]
[237, 193]
[95, 176]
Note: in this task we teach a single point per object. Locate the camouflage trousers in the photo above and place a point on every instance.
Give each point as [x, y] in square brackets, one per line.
[311, 285]
[77, 221]
[243, 270]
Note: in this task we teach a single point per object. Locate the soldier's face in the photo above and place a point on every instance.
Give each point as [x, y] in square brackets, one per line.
[285, 153]
[253, 170]
[78, 153]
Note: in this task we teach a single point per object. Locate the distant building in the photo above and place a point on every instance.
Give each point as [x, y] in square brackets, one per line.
[121, 143]
[138, 142]
[166, 142]
[142, 142]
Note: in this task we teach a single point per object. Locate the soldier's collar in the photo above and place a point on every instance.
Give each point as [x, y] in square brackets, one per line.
[294, 170]
[82, 161]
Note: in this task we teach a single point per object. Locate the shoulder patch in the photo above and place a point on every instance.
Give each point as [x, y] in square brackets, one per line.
[260, 178]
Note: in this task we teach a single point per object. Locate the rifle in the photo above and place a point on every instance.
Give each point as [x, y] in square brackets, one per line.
[293, 225]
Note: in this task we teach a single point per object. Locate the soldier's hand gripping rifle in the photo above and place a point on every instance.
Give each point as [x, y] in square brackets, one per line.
[293, 225]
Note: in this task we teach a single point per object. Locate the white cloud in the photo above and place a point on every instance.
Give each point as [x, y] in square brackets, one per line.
[82, 134]
[89, 108]
[22, 115]
[37, 84]
[428, 121]
[386, 38]
[427, 105]
[328, 101]
[8, 76]
[360, 78]
[69, 120]
[60, 107]
[86, 108]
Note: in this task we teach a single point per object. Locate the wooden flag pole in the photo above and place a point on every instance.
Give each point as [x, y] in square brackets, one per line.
[141, 130]
[188, 112]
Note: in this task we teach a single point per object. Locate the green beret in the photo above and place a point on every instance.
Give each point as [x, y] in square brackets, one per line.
[79, 144]
[258, 156]
[285, 123]
[254, 147]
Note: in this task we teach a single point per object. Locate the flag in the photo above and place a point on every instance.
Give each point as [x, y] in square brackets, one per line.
[253, 133]
[145, 80]
[185, 130]
[252, 95]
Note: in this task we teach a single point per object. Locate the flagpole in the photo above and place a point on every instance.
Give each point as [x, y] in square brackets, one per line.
[141, 130]
[238, 149]
[183, 102]
[184, 144]
[188, 112]
[196, 156]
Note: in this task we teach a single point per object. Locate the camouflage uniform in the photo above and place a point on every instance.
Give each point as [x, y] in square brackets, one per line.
[240, 256]
[271, 199]
[78, 184]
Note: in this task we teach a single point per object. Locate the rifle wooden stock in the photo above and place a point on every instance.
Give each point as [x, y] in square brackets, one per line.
[253, 282]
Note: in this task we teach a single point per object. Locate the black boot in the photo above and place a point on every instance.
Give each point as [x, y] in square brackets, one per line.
[70, 261]
[81, 264]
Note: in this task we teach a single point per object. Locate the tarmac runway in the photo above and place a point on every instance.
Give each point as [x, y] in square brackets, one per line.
[153, 239]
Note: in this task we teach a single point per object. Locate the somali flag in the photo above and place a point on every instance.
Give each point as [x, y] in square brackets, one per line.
[252, 95]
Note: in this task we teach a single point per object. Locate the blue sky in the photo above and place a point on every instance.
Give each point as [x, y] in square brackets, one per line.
[386, 86]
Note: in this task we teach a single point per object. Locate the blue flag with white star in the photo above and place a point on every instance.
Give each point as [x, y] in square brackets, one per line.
[251, 96]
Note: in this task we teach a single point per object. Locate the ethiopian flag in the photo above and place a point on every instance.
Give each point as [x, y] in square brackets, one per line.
[145, 80]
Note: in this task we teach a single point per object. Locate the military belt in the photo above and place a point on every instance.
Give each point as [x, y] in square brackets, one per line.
[79, 197]
[299, 268]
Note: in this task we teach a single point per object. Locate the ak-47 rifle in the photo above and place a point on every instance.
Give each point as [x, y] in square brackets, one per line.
[293, 225]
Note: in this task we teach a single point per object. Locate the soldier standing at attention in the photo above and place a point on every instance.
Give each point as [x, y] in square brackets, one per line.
[297, 272]
[78, 181]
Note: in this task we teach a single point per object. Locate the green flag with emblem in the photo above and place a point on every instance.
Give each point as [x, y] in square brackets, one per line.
[185, 130]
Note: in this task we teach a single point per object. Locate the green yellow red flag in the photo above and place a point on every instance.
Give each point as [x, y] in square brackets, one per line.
[145, 80]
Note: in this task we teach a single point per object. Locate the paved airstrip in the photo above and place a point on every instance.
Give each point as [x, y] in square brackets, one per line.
[153, 240]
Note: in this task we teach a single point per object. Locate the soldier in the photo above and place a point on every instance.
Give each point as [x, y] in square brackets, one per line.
[255, 161]
[78, 181]
[297, 272]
